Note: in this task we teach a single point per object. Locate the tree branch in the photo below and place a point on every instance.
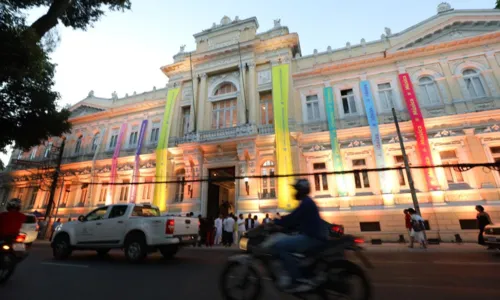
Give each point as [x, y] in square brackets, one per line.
[49, 20]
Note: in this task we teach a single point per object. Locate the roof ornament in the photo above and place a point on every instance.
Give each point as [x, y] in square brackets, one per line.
[91, 94]
[329, 49]
[348, 46]
[225, 20]
[388, 31]
[114, 96]
[154, 88]
[181, 50]
[236, 19]
[443, 7]
[277, 23]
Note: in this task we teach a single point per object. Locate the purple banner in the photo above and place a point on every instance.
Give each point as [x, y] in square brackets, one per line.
[135, 176]
[114, 164]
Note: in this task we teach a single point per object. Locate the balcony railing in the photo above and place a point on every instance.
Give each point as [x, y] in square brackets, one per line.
[266, 129]
[213, 135]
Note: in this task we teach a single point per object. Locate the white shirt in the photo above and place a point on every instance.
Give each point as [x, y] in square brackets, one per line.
[256, 224]
[228, 224]
[241, 224]
[218, 223]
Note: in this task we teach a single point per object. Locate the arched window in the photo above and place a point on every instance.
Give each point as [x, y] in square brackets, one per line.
[268, 184]
[225, 88]
[179, 188]
[428, 91]
[474, 84]
[78, 146]
[95, 141]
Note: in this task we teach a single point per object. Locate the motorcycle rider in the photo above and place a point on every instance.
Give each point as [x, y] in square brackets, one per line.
[312, 234]
[11, 220]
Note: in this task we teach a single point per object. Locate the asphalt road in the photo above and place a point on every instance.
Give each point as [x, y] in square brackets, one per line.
[193, 274]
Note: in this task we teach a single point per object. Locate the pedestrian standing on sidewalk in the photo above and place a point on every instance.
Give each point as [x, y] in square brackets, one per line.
[418, 229]
[255, 222]
[209, 240]
[241, 226]
[228, 226]
[408, 224]
[267, 220]
[249, 222]
[218, 230]
[235, 228]
[483, 219]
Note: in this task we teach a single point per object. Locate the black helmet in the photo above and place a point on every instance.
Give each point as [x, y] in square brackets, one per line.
[302, 187]
[14, 203]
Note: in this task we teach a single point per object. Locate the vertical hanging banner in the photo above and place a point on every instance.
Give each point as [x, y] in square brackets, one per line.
[161, 189]
[137, 160]
[280, 80]
[417, 120]
[98, 150]
[114, 165]
[332, 128]
[371, 114]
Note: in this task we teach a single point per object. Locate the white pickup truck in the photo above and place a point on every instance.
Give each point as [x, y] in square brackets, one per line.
[137, 228]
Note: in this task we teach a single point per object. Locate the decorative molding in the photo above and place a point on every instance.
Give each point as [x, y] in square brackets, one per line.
[445, 133]
[492, 128]
[395, 139]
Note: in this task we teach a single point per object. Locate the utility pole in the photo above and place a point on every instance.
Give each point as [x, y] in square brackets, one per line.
[55, 177]
[407, 165]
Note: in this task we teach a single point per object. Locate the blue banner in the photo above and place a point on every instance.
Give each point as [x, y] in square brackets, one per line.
[371, 114]
[332, 128]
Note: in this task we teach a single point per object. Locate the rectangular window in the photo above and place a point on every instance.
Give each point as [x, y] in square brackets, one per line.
[361, 179]
[78, 145]
[320, 180]
[369, 226]
[348, 101]
[224, 114]
[48, 149]
[386, 96]
[312, 108]
[46, 199]
[20, 194]
[179, 190]
[495, 152]
[124, 190]
[155, 133]
[147, 190]
[103, 193]
[399, 162]
[186, 115]
[33, 197]
[83, 194]
[67, 190]
[268, 183]
[113, 141]
[475, 87]
[452, 175]
[132, 140]
[266, 108]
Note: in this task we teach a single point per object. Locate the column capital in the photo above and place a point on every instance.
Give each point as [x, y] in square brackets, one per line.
[469, 131]
[251, 65]
[327, 84]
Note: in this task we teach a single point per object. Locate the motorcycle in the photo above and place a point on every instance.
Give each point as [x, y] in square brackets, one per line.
[12, 251]
[326, 268]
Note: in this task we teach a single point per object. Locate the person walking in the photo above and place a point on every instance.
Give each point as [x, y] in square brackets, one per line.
[249, 222]
[483, 219]
[228, 226]
[209, 240]
[218, 230]
[241, 226]
[408, 224]
[418, 229]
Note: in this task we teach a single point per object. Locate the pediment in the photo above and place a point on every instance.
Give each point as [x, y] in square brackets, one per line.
[84, 110]
[456, 31]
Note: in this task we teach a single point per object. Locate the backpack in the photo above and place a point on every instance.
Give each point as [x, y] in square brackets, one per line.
[417, 226]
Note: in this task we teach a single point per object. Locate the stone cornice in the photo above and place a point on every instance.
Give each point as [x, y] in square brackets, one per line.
[383, 58]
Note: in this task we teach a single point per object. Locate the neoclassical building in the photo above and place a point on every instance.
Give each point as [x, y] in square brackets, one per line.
[246, 103]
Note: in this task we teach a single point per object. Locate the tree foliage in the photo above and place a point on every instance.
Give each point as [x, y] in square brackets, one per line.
[497, 6]
[28, 104]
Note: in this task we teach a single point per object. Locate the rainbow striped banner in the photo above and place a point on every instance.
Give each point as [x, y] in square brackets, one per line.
[135, 176]
[114, 165]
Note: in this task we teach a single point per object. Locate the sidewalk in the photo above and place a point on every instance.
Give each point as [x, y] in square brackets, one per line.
[386, 247]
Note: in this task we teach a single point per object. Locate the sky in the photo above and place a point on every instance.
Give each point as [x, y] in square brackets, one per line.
[124, 51]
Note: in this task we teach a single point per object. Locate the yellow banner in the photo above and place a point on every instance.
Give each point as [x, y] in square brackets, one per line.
[161, 190]
[282, 134]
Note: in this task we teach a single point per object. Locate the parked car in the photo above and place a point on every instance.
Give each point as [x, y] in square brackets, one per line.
[492, 236]
[30, 228]
[248, 240]
[137, 228]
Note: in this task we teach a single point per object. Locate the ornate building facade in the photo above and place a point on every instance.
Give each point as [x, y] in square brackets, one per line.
[247, 103]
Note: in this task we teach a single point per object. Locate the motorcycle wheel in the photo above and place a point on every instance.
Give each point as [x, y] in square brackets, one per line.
[337, 286]
[7, 267]
[249, 283]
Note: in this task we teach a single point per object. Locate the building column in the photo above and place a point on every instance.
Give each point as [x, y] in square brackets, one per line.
[194, 102]
[452, 81]
[204, 192]
[253, 101]
[241, 105]
[476, 154]
[202, 99]
[490, 56]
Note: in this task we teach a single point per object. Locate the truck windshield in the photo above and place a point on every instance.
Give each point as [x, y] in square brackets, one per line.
[143, 211]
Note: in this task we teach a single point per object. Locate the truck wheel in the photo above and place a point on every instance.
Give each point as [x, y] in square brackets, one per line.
[102, 252]
[61, 248]
[135, 248]
[169, 251]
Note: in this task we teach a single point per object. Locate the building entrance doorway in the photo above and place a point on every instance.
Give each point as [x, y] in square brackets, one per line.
[221, 194]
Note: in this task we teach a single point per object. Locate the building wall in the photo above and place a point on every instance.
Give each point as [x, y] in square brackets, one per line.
[459, 125]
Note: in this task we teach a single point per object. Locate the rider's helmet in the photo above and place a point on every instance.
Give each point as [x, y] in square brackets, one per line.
[14, 204]
[302, 187]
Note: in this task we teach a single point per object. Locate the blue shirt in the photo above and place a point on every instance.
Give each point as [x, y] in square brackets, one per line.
[306, 218]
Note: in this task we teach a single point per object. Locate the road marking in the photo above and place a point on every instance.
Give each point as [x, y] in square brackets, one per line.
[64, 265]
